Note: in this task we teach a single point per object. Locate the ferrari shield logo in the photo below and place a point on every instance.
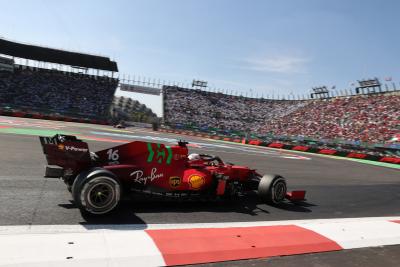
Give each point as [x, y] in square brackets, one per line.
[175, 181]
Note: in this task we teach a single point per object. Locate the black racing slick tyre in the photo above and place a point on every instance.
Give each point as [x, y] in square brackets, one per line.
[272, 189]
[96, 192]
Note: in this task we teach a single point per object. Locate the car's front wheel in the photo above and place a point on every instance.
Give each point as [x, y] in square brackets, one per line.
[97, 192]
[272, 189]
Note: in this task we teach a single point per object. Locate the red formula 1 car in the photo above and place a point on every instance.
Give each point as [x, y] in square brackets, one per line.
[98, 180]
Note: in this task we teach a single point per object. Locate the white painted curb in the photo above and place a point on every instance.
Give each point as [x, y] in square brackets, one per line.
[130, 245]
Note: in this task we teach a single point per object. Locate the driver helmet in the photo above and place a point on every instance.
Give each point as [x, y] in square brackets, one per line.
[194, 157]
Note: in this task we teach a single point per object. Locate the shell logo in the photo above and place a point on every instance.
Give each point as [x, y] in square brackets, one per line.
[61, 146]
[196, 181]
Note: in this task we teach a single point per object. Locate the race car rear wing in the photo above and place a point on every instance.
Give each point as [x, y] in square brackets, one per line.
[67, 152]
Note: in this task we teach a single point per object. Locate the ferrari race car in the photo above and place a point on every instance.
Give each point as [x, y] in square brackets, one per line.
[98, 180]
[120, 125]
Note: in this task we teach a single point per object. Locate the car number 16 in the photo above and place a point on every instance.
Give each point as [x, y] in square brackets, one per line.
[112, 155]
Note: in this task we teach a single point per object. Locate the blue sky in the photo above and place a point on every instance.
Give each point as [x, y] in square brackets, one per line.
[271, 47]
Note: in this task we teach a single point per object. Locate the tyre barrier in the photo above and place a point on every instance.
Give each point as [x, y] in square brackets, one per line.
[357, 155]
[255, 142]
[276, 145]
[302, 148]
[327, 151]
[390, 160]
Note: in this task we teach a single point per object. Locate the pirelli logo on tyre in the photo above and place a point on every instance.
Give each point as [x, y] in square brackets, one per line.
[196, 181]
[175, 181]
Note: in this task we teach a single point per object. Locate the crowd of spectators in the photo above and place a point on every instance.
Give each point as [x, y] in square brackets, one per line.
[366, 118]
[53, 91]
[216, 110]
[373, 118]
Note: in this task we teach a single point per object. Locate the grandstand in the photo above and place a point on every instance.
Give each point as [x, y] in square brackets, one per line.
[43, 86]
[209, 110]
[372, 118]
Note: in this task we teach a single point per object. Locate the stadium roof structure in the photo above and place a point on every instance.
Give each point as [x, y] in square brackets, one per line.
[58, 56]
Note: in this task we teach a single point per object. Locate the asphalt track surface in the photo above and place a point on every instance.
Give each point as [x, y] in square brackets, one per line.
[363, 257]
[335, 188]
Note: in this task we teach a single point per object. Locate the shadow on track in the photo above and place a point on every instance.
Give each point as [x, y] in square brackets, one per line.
[299, 206]
[124, 214]
[129, 211]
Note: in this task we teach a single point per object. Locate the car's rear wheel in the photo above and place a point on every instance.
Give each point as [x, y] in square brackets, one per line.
[272, 189]
[97, 192]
